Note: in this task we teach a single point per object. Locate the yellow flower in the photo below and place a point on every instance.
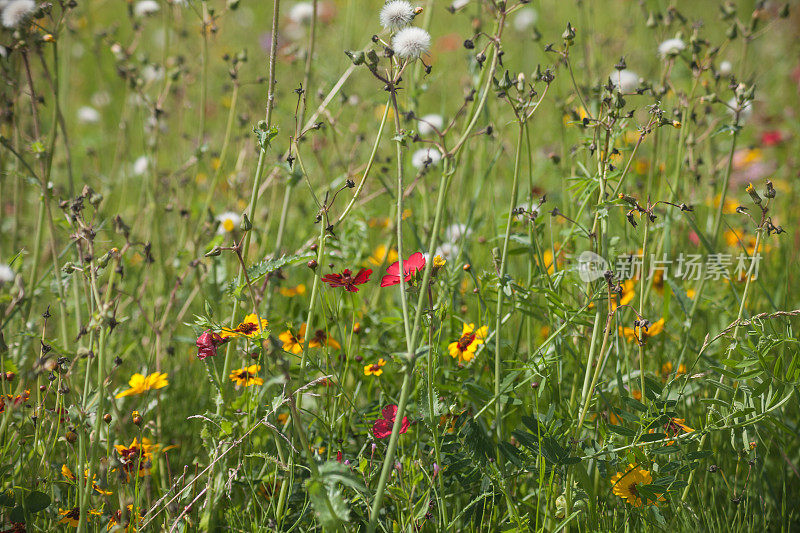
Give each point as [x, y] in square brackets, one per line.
[638, 333]
[666, 369]
[139, 383]
[292, 291]
[282, 418]
[466, 346]
[730, 205]
[72, 516]
[381, 255]
[625, 485]
[375, 370]
[247, 376]
[293, 343]
[321, 339]
[67, 473]
[439, 262]
[628, 293]
[137, 457]
[249, 327]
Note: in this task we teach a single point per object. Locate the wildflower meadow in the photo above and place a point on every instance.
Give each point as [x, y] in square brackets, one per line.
[429, 265]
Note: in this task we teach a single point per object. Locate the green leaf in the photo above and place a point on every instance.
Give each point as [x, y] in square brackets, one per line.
[264, 136]
[37, 501]
[620, 430]
[328, 504]
[262, 268]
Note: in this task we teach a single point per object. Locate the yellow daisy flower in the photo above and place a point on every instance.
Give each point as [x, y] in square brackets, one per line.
[244, 377]
[465, 347]
[140, 383]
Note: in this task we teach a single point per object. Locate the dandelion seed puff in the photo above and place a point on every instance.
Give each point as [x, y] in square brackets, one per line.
[426, 157]
[302, 13]
[744, 113]
[140, 165]
[626, 80]
[411, 42]
[144, 8]
[525, 19]
[396, 15]
[456, 232]
[228, 222]
[88, 115]
[17, 11]
[447, 250]
[6, 274]
[671, 47]
[725, 68]
[458, 4]
[427, 124]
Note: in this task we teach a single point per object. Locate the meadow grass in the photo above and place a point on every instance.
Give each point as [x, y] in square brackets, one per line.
[341, 265]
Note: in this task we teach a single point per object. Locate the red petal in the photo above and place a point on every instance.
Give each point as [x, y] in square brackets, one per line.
[381, 428]
[404, 425]
[363, 276]
[394, 268]
[414, 263]
[389, 412]
[389, 280]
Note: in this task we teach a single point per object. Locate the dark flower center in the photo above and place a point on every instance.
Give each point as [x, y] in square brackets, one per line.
[247, 328]
[320, 336]
[465, 340]
[245, 375]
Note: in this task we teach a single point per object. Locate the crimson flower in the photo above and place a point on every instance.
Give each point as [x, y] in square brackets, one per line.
[347, 280]
[382, 427]
[415, 263]
[207, 344]
[771, 138]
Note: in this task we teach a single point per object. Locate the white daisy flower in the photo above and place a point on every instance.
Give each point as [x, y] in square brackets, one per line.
[671, 47]
[455, 232]
[17, 11]
[411, 42]
[144, 8]
[626, 80]
[430, 123]
[725, 68]
[426, 157]
[228, 222]
[744, 114]
[88, 115]
[525, 19]
[140, 165]
[6, 274]
[302, 13]
[396, 15]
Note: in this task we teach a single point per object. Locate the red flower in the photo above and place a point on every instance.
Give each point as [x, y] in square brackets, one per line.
[382, 427]
[415, 263]
[771, 138]
[346, 279]
[207, 344]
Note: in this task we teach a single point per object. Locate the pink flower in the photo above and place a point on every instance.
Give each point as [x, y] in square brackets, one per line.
[415, 263]
[771, 138]
[382, 427]
[207, 344]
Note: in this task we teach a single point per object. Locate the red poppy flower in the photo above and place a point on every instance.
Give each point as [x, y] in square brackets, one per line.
[415, 263]
[347, 280]
[771, 138]
[382, 427]
[207, 344]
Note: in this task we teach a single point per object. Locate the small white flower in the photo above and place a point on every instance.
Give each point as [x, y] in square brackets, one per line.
[744, 113]
[426, 157]
[144, 8]
[302, 13]
[427, 124]
[396, 15]
[88, 115]
[411, 42]
[525, 19]
[228, 222]
[626, 80]
[455, 232]
[140, 165]
[725, 68]
[447, 250]
[458, 4]
[671, 47]
[6, 274]
[101, 99]
[3, 51]
[17, 11]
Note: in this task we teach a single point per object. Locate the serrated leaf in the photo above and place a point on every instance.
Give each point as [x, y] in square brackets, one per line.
[258, 270]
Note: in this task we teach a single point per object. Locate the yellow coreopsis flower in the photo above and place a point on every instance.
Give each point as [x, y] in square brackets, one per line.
[381, 254]
[465, 347]
[140, 383]
[249, 327]
[289, 292]
[625, 485]
[246, 377]
[638, 333]
[375, 369]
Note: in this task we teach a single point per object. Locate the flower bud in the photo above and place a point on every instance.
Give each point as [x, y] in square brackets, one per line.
[207, 344]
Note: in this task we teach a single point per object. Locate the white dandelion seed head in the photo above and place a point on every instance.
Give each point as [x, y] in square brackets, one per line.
[396, 15]
[456, 232]
[447, 250]
[626, 80]
[671, 47]
[144, 8]
[427, 124]
[6, 274]
[228, 221]
[725, 68]
[744, 113]
[458, 4]
[16, 11]
[302, 13]
[525, 19]
[411, 42]
[140, 165]
[88, 115]
[426, 157]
